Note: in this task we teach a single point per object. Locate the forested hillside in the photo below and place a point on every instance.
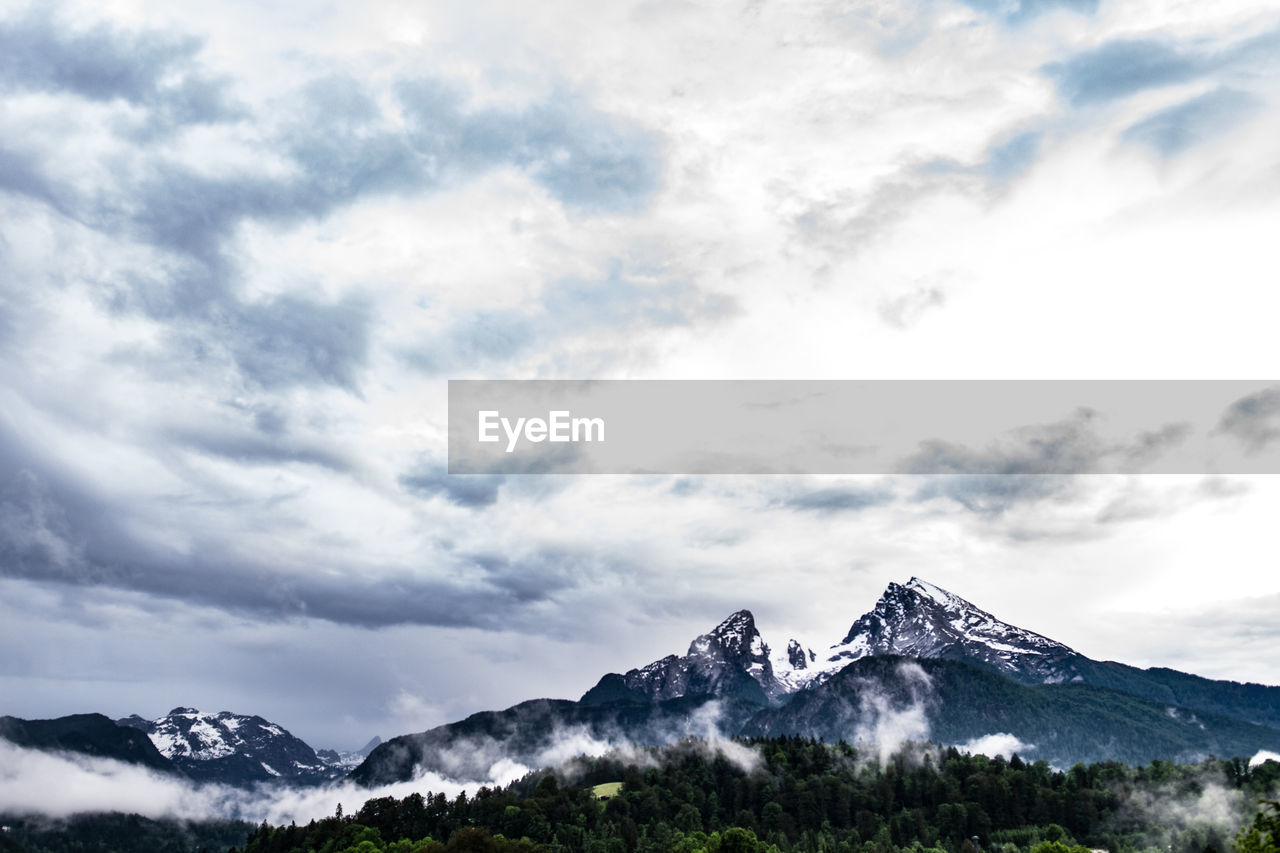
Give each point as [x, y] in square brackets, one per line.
[799, 794]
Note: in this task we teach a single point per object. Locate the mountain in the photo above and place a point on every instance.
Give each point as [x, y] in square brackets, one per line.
[922, 662]
[916, 619]
[729, 660]
[348, 760]
[87, 734]
[957, 703]
[544, 732]
[875, 699]
[1256, 703]
[232, 748]
[920, 620]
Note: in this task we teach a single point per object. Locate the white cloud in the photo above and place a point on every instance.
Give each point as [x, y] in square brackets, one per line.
[1263, 756]
[61, 784]
[998, 743]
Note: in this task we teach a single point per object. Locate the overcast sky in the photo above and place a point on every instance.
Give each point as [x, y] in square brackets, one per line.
[245, 245]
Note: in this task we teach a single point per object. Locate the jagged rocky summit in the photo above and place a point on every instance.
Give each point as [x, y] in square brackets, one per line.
[923, 663]
[915, 619]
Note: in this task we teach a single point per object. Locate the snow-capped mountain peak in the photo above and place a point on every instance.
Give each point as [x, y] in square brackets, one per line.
[792, 667]
[229, 747]
[936, 593]
[920, 619]
[915, 619]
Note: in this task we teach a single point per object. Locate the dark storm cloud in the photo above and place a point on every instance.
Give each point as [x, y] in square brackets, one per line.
[291, 339]
[192, 215]
[102, 64]
[536, 577]
[343, 147]
[21, 172]
[1172, 131]
[55, 529]
[1254, 420]
[465, 490]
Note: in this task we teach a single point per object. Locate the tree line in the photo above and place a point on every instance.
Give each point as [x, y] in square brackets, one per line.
[800, 794]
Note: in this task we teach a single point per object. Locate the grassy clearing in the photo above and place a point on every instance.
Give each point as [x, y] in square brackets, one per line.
[608, 789]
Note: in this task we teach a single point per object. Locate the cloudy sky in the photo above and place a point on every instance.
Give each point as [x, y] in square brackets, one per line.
[245, 245]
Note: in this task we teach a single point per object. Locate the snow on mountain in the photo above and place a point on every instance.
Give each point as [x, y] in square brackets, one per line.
[793, 667]
[233, 748]
[918, 619]
[915, 619]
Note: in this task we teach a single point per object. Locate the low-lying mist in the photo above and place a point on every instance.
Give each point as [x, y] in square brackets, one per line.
[1164, 801]
[60, 784]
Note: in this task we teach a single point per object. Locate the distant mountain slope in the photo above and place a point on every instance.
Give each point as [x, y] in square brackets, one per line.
[545, 731]
[348, 760]
[960, 702]
[88, 734]
[236, 749]
[1256, 703]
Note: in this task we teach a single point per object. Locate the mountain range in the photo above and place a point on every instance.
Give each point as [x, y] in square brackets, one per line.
[94, 735]
[923, 663]
[233, 749]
